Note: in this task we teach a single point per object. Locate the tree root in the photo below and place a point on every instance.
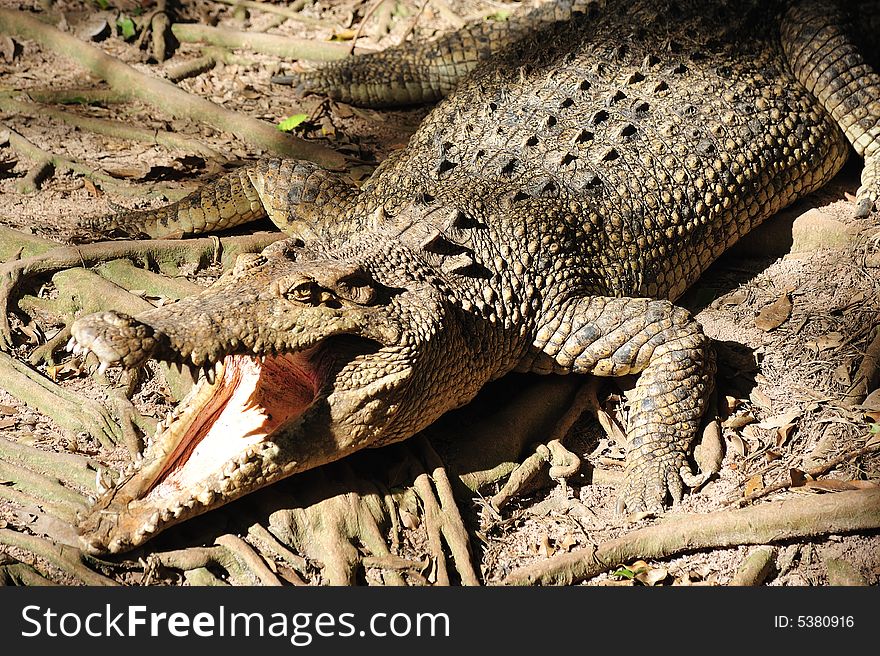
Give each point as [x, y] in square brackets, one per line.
[22, 574]
[45, 162]
[117, 129]
[164, 95]
[867, 376]
[69, 410]
[755, 568]
[812, 516]
[267, 44]
[523, 476]
[67, 559]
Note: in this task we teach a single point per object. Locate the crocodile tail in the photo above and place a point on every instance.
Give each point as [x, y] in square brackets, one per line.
[424, 72]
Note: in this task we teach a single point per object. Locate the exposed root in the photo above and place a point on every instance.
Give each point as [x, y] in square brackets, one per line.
[756, 567]
[68, 559]
[69, 410]
[46, 162]
[812, 516]
[164, 95]
[118, 129]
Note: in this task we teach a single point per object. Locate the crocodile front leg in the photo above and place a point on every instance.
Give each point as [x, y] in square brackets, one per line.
[666, 346]
[298, 196]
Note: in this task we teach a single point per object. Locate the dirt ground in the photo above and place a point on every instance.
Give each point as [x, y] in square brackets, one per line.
[792, 309]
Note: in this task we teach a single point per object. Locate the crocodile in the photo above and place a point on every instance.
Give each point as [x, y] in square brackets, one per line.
[544, 217]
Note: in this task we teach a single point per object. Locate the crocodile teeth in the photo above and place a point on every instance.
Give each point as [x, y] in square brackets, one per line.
[151, 524]
[71, 344]
[211, 375]
[206, 498]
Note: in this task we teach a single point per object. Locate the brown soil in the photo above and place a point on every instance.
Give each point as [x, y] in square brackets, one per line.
[790, 378]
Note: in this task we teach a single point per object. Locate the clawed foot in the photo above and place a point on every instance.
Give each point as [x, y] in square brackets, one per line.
[652, 481]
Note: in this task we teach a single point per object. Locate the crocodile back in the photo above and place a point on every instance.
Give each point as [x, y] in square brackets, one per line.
[620, 153]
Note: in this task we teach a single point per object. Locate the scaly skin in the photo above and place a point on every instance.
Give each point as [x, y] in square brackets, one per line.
[542, 218]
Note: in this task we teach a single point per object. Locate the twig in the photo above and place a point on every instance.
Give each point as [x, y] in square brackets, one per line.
[867, 376]
[841, 512]
[292, 10]
[369, 14]
[164, 95]
[812, 473]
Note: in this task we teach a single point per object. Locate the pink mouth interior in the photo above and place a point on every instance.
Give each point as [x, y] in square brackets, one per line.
[248, 404]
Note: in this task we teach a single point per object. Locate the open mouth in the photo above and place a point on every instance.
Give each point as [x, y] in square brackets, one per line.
[228, 423]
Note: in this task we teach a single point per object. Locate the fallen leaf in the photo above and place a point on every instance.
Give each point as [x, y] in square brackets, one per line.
[738, 445]
[798, 478]
[783, 433]
[760, 398]
[778, 421]
[753, 485]
[292, 122]
[623, 572]
[92, 190]
[7, 423]
[343, 35]
[841, 374]
[728, 404]
[7, 410]
[567, 542]
[409, 520]
[774, 315]
[829, 341]
[738, 421]
[770, 456]
[652, 577]
[544, 547]
[830, 485]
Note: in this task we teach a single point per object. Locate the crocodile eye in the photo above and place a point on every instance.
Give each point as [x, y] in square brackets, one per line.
[304, 291]
[357, 289]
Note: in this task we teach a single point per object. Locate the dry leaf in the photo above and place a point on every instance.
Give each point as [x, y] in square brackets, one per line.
[829, 341]
[8, 422]
[6, 410]
[754, 484]
[567, 542]
[760, 398]
[728, 404]
[738, 421]
[92, 190]
[544, 547]
[653, 576]
[738, 445]
[783, 433]
[409, 520]
[841, 374]
[830, 485]
[770, 456]
[774, 315]
[778, 421]
[798, 478]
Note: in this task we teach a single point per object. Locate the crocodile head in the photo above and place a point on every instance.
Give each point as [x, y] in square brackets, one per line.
[305, 356]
